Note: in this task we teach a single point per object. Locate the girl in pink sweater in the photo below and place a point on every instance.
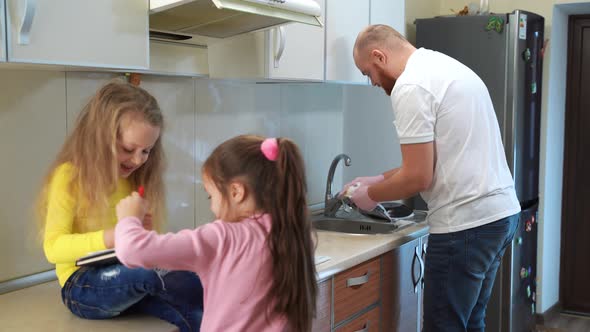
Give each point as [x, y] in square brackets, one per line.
[256, 260]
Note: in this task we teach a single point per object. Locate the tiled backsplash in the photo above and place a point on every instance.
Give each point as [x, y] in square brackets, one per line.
[323, 119]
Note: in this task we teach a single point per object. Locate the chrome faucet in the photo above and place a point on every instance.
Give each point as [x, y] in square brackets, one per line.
[331, 203]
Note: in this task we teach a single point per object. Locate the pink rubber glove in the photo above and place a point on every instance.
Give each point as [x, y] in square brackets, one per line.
[361, 199]
[363, 180]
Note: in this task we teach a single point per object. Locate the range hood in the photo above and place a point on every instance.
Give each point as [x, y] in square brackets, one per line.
[226, 18]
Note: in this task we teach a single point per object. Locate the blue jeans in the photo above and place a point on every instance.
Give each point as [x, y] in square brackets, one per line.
[460, 272]
[109, 291]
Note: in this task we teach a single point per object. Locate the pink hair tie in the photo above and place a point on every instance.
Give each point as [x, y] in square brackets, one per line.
[270, 148]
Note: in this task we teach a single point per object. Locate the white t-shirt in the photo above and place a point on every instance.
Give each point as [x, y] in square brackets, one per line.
[439, 99]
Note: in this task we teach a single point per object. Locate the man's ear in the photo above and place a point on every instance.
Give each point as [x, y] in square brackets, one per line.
[237, 192]
[379, 57]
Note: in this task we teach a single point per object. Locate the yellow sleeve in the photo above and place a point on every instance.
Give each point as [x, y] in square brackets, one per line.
[59, 243]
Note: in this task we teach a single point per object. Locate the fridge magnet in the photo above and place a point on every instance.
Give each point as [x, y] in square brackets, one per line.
[528, 226]
[526, 55]
[495, 23]
[522, 26]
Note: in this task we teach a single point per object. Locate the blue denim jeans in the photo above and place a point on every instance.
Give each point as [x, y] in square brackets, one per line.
[460, 272]
[109, 291]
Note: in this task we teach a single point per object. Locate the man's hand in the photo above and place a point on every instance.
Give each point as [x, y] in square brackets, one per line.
[363, 180]
[360, 197]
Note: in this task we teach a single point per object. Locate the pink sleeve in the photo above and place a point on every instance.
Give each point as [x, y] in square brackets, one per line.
[191, 250]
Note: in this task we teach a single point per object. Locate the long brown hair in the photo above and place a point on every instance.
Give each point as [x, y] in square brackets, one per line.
[91, 149]
[279, 188]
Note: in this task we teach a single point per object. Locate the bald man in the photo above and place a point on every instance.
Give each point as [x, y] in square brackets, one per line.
[452, 154]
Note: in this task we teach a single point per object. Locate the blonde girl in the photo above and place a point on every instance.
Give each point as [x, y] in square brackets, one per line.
[114, 148]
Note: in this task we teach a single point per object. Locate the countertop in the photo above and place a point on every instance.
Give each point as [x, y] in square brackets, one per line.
[347, 250]
[39, 308]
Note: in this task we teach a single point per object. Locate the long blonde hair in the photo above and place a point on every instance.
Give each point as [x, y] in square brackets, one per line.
[91, 149]
[279, 189]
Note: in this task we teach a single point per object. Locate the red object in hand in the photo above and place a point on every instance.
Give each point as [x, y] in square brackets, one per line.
[140, 190]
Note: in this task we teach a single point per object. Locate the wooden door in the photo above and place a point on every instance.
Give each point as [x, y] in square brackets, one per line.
[575, 242]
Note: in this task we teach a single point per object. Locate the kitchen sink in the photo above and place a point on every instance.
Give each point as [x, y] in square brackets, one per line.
[341, 215]
[361, 224]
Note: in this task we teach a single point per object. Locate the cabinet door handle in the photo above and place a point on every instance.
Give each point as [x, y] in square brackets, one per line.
[282, 41]
[357, 281]
[424, 248]
[27, 22]
[417, 256]
[1, 24]
[365, 328]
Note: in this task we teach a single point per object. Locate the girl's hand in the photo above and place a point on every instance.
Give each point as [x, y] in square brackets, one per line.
[109, 238]
[147, 222]
[132, 206]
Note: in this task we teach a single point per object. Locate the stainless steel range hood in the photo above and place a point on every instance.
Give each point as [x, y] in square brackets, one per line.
[226, 18]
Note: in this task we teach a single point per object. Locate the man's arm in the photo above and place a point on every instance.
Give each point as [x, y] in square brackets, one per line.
[390, 173]
[415, 174]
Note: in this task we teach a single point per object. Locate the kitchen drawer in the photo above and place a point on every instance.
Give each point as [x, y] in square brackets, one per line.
[367, 322]
[356, 289]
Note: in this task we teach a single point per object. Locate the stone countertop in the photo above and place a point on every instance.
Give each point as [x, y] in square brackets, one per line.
[39, 308]
[347, 250]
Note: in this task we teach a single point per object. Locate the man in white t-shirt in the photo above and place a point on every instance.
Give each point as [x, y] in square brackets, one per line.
[452, 154]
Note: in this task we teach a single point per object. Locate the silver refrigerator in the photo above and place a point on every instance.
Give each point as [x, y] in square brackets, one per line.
[505, 50]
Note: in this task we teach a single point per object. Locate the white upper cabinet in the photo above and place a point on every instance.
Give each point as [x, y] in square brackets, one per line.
[89, 33]
[296, 51]
[389, 12]
[292, 51]
[344, 20]
[2, 32]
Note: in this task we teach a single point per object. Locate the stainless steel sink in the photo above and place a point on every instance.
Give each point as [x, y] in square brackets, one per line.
[365, 225]
[339, 215]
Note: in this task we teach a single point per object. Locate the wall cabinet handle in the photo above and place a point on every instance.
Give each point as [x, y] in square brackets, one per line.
[282, 41]
[27, 22]
[357, 281]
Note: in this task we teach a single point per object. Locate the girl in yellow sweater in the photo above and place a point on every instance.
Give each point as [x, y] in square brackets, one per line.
[115, 147]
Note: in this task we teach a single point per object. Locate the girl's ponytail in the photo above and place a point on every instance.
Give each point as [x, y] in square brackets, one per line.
[295, 285]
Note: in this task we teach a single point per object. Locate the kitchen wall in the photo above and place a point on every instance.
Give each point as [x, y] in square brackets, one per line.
[552, 131]
[38, 108]
[370, 138]
[419, 9]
